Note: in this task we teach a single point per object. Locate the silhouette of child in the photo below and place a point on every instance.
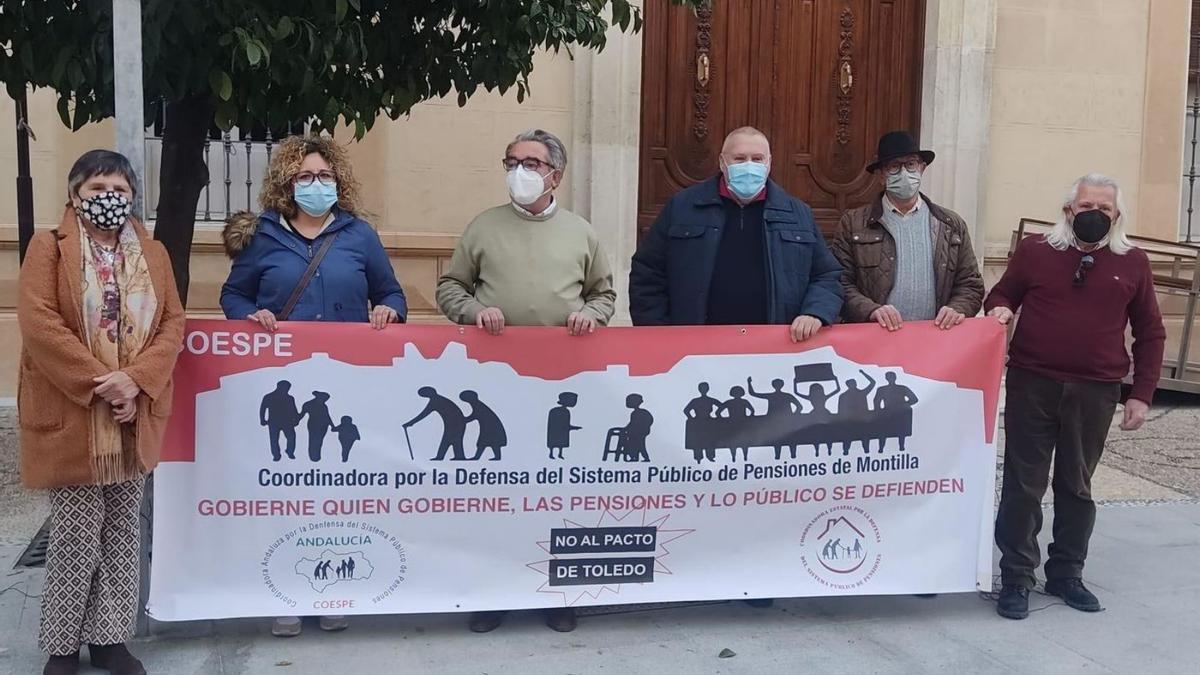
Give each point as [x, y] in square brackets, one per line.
[347, 435]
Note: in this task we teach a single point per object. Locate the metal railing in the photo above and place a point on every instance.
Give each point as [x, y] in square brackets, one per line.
[237, 162]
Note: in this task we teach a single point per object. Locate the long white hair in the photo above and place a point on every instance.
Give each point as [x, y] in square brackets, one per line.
[1062, 236]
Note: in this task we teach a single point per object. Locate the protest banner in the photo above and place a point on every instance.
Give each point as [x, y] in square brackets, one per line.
[333, 469]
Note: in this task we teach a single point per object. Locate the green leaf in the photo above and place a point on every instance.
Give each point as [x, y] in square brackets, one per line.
[221, 84]
[254, 53]
[64, 110]
[307, 82]
[283, 28]
[342, 6]
[356, 5]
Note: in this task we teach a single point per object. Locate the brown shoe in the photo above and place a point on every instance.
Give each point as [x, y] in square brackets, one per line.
[561, 620]
[62, 665]
[486, 622]
[115, 659]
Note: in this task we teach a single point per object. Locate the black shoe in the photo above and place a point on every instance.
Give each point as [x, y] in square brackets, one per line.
[925, 595]
[486, 622]
[62, 665]
[561, 620]
[115, 659]
[761, 603]
[1074, 593]
[1013, 602]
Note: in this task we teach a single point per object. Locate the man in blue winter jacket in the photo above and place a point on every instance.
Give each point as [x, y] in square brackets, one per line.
[736, 249]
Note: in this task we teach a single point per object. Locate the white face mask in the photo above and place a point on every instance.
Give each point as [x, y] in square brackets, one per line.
[904, 185]
[526, 187]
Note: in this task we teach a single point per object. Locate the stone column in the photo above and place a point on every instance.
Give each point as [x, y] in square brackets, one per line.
[605, 133]
[960, 36]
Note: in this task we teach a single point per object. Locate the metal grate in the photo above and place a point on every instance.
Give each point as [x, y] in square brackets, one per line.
[35, 554]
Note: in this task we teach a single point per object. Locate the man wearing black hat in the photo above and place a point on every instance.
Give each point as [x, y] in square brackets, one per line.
[903, 257]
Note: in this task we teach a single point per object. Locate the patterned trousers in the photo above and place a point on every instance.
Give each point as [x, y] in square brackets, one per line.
[92, 572]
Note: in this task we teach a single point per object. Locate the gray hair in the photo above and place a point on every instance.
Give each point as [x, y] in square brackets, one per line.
[100, 163]
[555, 147]
[1062, 236]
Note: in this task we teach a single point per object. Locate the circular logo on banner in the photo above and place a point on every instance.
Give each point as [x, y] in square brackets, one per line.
[842, 548]
[334, 567]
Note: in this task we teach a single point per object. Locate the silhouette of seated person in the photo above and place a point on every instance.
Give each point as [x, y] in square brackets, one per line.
[894, 412]
[818, 424]
[698, 436]
[279, 415]
[491, 429]
[558, 425]
[633, 436]
[319, 423]
[454, 423]
[347, 435]
[854, 415]
[779, 423]
[739, 412]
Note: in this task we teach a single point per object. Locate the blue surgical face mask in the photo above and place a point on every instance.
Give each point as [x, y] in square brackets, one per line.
[316, 199]
[746, 179]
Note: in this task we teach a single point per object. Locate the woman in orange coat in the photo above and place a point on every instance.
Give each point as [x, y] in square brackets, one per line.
[101, 325]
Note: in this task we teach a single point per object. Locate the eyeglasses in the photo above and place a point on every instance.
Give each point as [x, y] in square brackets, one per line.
[1085, 264]
[306, 178]
[893, 168]
[529, 164]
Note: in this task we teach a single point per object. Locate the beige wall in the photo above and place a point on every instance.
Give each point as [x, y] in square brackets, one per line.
[1079, 86]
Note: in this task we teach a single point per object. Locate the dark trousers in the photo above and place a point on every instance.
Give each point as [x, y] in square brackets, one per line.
[289, 434]
[1045, 418]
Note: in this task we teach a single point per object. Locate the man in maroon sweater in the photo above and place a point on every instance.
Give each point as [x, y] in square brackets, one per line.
[1077, 288]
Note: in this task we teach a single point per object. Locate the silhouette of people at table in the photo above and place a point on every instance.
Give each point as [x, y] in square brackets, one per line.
[894, 412]
[491, 430]
[781, 406]
[854, 412]
[702, 407]
[558, 425]
[454, 423]
[638, 429]
[279, 415]
[319, 423]
[347, 435]
[818, 421]
[737, 408]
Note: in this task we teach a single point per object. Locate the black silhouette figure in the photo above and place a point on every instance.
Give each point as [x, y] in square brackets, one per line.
[893, 411]
[558, 425]
[318, 569]
[837, 544]
[350, 567]
[341, 570]
[279, 415]
[819, 421]
[699, 434]
[857, 550]
[454, 423]
[319, 423]
[491, 430]
[631, 438]
[347, 436]
[854, 414]
[779, 422]
[737, 408]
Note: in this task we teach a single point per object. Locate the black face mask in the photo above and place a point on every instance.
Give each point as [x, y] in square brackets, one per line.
[1091, 226]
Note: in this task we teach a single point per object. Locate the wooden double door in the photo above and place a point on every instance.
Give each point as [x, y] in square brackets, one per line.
[822, 78]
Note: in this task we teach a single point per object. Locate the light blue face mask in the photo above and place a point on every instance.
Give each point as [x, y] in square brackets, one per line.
[746, 179]
[316, 199]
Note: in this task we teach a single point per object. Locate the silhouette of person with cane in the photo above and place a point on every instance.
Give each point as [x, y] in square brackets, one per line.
[454, 424]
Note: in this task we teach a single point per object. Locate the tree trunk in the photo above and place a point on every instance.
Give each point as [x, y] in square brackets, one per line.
[182, 176]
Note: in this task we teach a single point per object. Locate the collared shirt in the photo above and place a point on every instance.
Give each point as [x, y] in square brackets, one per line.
[889, 206]
[541, 216]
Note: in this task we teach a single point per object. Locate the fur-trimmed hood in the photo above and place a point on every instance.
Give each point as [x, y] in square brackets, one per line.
[239, 230]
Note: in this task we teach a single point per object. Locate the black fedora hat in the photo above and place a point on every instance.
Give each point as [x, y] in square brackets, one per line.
[895, 144]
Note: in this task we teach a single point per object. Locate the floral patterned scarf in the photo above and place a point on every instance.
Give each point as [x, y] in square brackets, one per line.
[119, 304]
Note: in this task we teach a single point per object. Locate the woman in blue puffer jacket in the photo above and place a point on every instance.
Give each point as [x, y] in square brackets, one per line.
[310, 212]
[310, 208]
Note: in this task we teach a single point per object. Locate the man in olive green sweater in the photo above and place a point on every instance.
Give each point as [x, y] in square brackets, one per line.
[529, 262]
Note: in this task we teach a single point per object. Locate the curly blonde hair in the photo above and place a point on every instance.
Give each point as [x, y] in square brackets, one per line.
[277, 191]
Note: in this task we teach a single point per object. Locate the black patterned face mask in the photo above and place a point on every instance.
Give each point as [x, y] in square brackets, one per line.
[107, 211]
